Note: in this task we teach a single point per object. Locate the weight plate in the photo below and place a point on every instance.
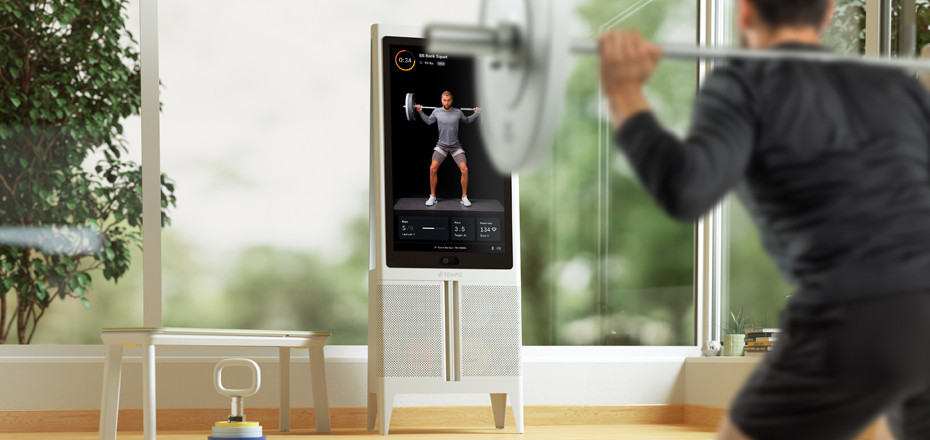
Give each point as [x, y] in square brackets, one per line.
[258, 437]
[236, 434]
[409, 106]
[254, 430]
[521, 101]
[236, 424]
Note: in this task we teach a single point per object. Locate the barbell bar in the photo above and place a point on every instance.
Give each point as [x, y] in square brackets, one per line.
[523, 50]
[410, 104]
[502, 42]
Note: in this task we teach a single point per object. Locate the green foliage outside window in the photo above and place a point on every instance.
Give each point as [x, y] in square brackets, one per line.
[630, 283]
[69, 74]
[846, 32]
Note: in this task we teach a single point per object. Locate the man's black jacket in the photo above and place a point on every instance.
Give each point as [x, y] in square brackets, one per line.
[831, 160]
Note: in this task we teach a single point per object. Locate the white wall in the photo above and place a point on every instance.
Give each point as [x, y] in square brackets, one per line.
[35, 382]
[715, 381]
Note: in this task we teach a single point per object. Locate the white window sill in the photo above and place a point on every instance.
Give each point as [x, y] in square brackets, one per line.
[334, 354]
[724, 360]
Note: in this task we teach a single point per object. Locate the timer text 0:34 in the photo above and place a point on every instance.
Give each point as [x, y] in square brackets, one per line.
[405, 60]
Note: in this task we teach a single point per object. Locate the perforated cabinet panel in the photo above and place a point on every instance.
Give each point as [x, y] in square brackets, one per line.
[491, 337]
[411, 320]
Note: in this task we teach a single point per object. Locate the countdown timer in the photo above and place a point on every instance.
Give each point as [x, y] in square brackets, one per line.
[404, 60]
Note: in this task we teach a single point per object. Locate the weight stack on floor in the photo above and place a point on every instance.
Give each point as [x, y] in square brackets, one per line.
[237, 430]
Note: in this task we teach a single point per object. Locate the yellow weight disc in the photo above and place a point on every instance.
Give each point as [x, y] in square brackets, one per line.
[236, 424]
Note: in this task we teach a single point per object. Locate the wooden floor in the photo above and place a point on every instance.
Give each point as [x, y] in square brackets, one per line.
[657, 432]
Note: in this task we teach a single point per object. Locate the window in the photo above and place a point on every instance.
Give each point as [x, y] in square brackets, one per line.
[69, 158]
[262, 140]
[602, 264]
[756, 290]
[271, 181]
[264, 129]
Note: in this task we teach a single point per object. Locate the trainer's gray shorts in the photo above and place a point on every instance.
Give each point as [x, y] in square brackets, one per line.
[442, 151]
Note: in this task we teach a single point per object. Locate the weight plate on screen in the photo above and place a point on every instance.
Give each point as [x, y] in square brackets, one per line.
[521, 100]
[409, 104]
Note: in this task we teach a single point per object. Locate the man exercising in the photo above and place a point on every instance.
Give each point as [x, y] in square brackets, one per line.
[833, 162]
[448, 143]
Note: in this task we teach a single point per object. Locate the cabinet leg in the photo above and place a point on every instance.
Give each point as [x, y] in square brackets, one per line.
[372, 410]
[385, 405]
[499, 406]
[516, 403]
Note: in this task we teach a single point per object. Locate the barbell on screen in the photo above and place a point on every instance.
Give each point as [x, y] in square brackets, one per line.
[410, 107]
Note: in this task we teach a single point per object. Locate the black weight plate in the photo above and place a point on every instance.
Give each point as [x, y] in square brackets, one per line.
[410, 106]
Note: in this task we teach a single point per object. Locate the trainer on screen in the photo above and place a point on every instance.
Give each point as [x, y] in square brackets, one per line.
[448, 118]
[833, 163]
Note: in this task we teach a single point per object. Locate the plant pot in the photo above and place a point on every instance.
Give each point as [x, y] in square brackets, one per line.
[733, 345]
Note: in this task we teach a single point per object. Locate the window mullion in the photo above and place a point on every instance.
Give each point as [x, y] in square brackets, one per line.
[151, 169]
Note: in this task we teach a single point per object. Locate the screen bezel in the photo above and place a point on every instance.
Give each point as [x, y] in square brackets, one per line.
[430, 259]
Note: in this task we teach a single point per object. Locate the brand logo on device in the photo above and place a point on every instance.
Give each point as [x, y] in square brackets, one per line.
[405, 60]
[450, 274]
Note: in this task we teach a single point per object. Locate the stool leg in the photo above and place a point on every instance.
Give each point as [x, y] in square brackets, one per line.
[499, 406]
[320, 397]
[109, 407]
[148, 392]
[372, 409]
[284, 409]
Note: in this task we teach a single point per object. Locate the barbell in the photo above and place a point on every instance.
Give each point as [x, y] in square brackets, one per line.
[410, 107]
[522, 51]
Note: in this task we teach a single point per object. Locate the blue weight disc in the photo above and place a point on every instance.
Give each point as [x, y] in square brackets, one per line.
[210, 437]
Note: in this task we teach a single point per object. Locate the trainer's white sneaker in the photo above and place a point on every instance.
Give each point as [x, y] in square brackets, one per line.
[465, 201]
[431, 201]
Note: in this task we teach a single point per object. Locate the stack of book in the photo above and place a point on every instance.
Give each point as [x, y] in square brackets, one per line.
[760, 340]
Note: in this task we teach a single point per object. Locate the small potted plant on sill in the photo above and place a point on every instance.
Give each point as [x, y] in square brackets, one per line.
[734, 336]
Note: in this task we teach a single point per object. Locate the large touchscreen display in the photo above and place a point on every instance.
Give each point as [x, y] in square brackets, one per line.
[446, 205]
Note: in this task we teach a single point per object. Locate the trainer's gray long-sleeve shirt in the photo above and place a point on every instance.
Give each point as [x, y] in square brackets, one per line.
[831, 160]
[448, 123]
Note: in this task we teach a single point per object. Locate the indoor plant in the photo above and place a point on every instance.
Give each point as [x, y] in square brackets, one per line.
[69, 77]
[734, 336]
